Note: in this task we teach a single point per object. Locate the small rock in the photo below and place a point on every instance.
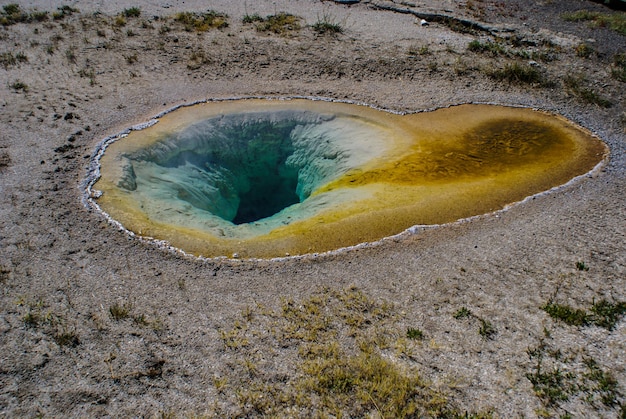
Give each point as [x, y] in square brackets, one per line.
[423, 22]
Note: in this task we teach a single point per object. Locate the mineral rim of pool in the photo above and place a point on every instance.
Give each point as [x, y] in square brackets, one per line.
[269, 178]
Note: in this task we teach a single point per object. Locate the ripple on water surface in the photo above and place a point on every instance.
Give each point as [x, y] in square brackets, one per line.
[266, 178]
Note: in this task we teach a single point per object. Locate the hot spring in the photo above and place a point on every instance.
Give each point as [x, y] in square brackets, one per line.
[263, 178]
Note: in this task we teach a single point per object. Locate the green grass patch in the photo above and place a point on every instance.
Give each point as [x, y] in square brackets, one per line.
[567, 314]
[552, 386]
[371, 382]
[252, 18]
[415, 334]
[39, 16]
[518, 73]
[607, 314]
[202, 22]
[614, 21]
[493, 48]
[132, 12]
[603, 313]
[462, 313]
[559, 376]
[582, 266]
[603, 383]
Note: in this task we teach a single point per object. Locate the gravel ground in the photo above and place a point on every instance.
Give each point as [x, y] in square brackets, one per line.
[96, 323]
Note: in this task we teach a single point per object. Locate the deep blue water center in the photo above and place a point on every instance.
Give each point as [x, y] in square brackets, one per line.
[241, 168]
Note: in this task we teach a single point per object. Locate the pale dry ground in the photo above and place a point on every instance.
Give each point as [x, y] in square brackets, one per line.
[66, 265]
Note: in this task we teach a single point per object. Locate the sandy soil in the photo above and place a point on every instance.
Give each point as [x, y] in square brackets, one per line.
[64, 270]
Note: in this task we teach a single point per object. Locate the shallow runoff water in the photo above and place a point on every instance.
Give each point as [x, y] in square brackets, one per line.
[259, 178]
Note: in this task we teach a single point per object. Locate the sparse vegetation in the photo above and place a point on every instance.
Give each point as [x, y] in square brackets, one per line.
[551, 384]
[486, 329]
[493, 48]
[462, 67]
[66, 337]
[88, 73]
[327, 25]
[566, 314]
[419, 50]
[12, 13]
[252, 18]
[64, 11]
[19, 85]
[202, 22]
[281, 23]
[39, 16]
[604, 313]
[607, 314]
[37, 313]
[131, 58]
[345, 365]
[518, 73]
[5, 160]
[70, 54]
[602, 383]
[613, 21]
[415, 334]
[120, 311]
[584, 50]
[618, 71]
[575, 84]
[582, 266]
[7, 59]
[164, 29]
[197, 59]
[462, 313]
[120, 20]
[557, 377]
[132, 12]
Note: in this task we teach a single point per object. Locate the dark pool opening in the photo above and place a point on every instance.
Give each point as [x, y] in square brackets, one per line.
[239, 168]
[268, 195]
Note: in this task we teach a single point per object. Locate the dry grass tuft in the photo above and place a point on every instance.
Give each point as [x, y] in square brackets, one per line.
[202, 22]
[281, 23]
[336, 355]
